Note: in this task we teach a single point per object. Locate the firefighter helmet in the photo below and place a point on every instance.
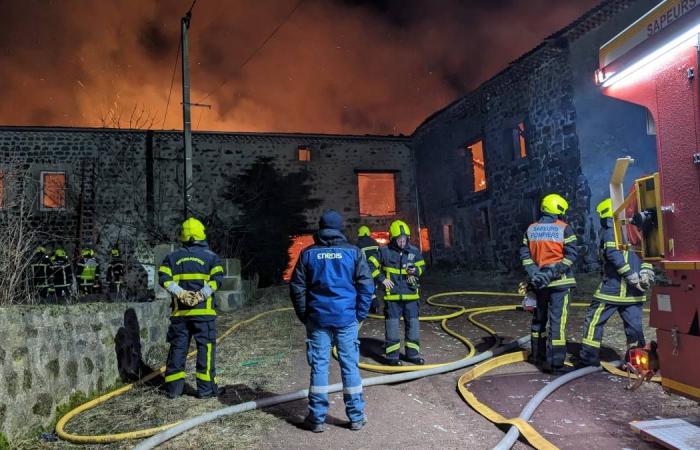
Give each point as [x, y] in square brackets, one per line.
[605, 209]
[554, 204]
[59, 252]
[399, 228]
[87, 252]
[192, 230]
[363, 231]
[41, 249]
[115, 252]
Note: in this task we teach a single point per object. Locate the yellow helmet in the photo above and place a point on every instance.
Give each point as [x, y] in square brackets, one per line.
[554, 204]
[115, 251]
[192, 229]
[87, 252]
[363, 231]
[399, 228]
[605, 208]
[59, 252]
[40, 249]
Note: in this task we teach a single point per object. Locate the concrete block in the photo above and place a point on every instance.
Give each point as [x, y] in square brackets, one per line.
[230, 300]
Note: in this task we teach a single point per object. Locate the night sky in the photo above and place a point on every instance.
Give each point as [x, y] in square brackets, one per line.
[333, 66]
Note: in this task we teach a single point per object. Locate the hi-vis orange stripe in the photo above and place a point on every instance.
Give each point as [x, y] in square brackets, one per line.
[546, 242]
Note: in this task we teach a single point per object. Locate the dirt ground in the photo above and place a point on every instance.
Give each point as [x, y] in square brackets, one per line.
[267, 358]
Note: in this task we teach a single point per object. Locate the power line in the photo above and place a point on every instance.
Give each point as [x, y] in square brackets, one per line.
[172, 81]
[257, 50]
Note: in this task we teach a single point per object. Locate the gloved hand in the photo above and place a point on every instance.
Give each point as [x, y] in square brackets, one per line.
[388, 283]
[412, 280]
[633, 279]
[197, 297]
[183, 296]
[540, 280]
[646, 278]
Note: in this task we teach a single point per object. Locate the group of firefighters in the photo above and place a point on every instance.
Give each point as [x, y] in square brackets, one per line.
[333, 290]
[53, 276]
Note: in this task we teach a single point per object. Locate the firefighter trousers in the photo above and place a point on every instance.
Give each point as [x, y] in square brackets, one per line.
[597, 316]
[549, 347]
[393, 311]
[180, 332]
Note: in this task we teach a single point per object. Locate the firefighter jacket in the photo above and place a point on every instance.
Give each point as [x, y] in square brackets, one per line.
[369, 246]
[331, 285]
[61, 272]
[616, 264]
[392, 264]
[88, 271]
[115, 271]
[41, 270]
[192, 267]
[550, 242]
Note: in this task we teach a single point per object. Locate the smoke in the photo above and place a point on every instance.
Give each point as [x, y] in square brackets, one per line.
[335, 66]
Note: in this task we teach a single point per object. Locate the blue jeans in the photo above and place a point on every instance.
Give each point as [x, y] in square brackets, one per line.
[318, 352]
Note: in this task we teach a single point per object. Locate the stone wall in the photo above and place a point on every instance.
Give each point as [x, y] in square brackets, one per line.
[48, 354]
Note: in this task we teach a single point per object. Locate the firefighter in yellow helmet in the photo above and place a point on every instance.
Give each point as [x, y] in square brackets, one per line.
[61, 273]
[369, 247]
[116, 271]
[625, 280]
[397, 268]
[41, 280]
[192, 274]
[88, 272]
[547, 254]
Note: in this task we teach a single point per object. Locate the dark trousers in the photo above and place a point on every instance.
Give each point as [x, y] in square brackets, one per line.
[179, 334]
[552, 307]
[393, 311]
[597, 316]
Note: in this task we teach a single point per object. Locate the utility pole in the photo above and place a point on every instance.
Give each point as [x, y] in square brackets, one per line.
[186, 115]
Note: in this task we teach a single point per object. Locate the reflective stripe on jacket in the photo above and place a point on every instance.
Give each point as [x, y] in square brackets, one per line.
[369, 246]
[392, 264]
[550, 242]
[616, 264]
[191, 267]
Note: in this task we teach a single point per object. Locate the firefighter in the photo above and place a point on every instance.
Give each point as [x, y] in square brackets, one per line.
[622, 289]
[61, 273]
[369, 247]
[88, 272]
[192, 274]
[547, 253]
[115, 271]
[331, 290]
[41, 272]
[397, 268]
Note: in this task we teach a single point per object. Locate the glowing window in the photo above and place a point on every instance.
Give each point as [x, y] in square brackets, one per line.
[53, 190]
[424, 240]
[304, 154]
[377, 192]
[521, 144]
[477, 151]
[447, 235]
[382, 237]
[299, 243]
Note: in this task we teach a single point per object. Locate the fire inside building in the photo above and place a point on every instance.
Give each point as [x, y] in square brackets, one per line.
[606, 107]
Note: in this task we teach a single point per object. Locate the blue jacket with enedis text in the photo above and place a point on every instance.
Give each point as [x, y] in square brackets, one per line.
[331, 285]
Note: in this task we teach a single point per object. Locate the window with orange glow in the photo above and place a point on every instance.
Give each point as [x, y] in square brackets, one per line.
[53, 190]
[304, 154]
[377, 192]
[522, 145]
[299, 243]
[382, 237]
[477, 150]
[424, 240]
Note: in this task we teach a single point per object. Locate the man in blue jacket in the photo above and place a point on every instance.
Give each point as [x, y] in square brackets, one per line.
[191, 274]
[331, 290]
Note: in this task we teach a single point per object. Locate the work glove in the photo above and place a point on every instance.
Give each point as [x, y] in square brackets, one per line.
[633, 279]
[646, 278]
[197, 298]
[183, 297]
[412, 281]
[388, 283]
[540, 280]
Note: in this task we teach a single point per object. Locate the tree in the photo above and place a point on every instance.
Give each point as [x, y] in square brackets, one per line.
[272, 206]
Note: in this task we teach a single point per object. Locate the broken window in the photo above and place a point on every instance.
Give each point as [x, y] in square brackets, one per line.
[304, 154]
[298, 244]
[447, 237]
[424, 240]
[377, 193]
[477, 151]
[53, 190]
[519, 143]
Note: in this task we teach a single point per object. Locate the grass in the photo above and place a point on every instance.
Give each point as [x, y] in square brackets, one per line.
[252, 362]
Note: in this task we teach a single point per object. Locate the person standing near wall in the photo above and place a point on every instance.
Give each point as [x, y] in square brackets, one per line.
[547, 254]
[370, 248]
[40, 265]
[397, 268]
[88, 272]
[192, 274]
[115, 272]
[331, 290]
[61, 273]
[622, 289]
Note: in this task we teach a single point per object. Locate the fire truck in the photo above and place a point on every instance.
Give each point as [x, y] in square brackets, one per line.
[654, 63]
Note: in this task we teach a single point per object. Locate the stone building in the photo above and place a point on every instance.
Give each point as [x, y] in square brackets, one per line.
[103, 186]
[484, 162]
